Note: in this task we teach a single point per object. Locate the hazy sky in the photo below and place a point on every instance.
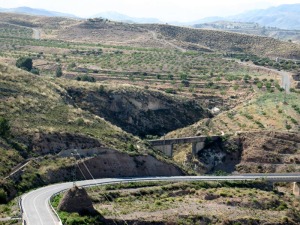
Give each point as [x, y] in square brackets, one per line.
[166, 10]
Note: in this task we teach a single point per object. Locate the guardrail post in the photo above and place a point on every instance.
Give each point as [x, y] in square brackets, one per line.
[296, 189]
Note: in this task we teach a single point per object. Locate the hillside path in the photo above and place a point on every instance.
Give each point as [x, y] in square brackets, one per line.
[154, 34]
[36, 33]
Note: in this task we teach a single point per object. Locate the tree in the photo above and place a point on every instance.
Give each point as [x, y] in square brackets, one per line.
[3, 196]
[24, 63]
[58, 71]
[4, 127]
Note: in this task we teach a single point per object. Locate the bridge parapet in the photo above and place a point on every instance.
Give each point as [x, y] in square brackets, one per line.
[182, 140]
[166, 145]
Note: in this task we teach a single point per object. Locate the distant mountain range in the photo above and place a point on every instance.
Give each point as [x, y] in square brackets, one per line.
[283, 16]
[36, 12]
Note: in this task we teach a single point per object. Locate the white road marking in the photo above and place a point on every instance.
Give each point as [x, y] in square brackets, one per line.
[34, 200]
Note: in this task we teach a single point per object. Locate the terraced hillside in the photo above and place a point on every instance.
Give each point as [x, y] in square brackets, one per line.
[178, 38]
[267, 111]
[205, 77]
[162, 36]
[253, 29]
[219, 40]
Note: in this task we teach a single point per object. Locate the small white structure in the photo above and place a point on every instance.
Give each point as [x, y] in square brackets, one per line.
[215, 110]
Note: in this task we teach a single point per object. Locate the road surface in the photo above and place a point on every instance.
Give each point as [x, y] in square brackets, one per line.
[37, 211]
[285, 76]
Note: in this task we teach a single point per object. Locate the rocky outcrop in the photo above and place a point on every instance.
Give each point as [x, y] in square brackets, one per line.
[76, 200]
[140, 112]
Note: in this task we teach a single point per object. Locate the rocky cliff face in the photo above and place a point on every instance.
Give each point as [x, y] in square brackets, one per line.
[140, 112]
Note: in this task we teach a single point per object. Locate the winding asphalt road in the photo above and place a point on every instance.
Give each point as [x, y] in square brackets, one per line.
[37, 211]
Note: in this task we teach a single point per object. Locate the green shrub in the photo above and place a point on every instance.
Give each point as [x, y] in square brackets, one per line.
[259, 85]
[80, 122]
[71, 65]
[259, 124]
[86, 78]
[58, 71]
[170, 91]
[248, 116]
[296, 108]
[24, 63]
[130, 147]
[101, 89]
[35, 71]
[170, 77]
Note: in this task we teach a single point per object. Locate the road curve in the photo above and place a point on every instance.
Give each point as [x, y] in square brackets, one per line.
[37, 211]
[285, 76]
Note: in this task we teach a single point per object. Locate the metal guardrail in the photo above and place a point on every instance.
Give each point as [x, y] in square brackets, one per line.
[53, 210]
[21, 210]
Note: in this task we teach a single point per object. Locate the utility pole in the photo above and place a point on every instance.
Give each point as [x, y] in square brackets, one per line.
[74, 170]
[164, 142]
